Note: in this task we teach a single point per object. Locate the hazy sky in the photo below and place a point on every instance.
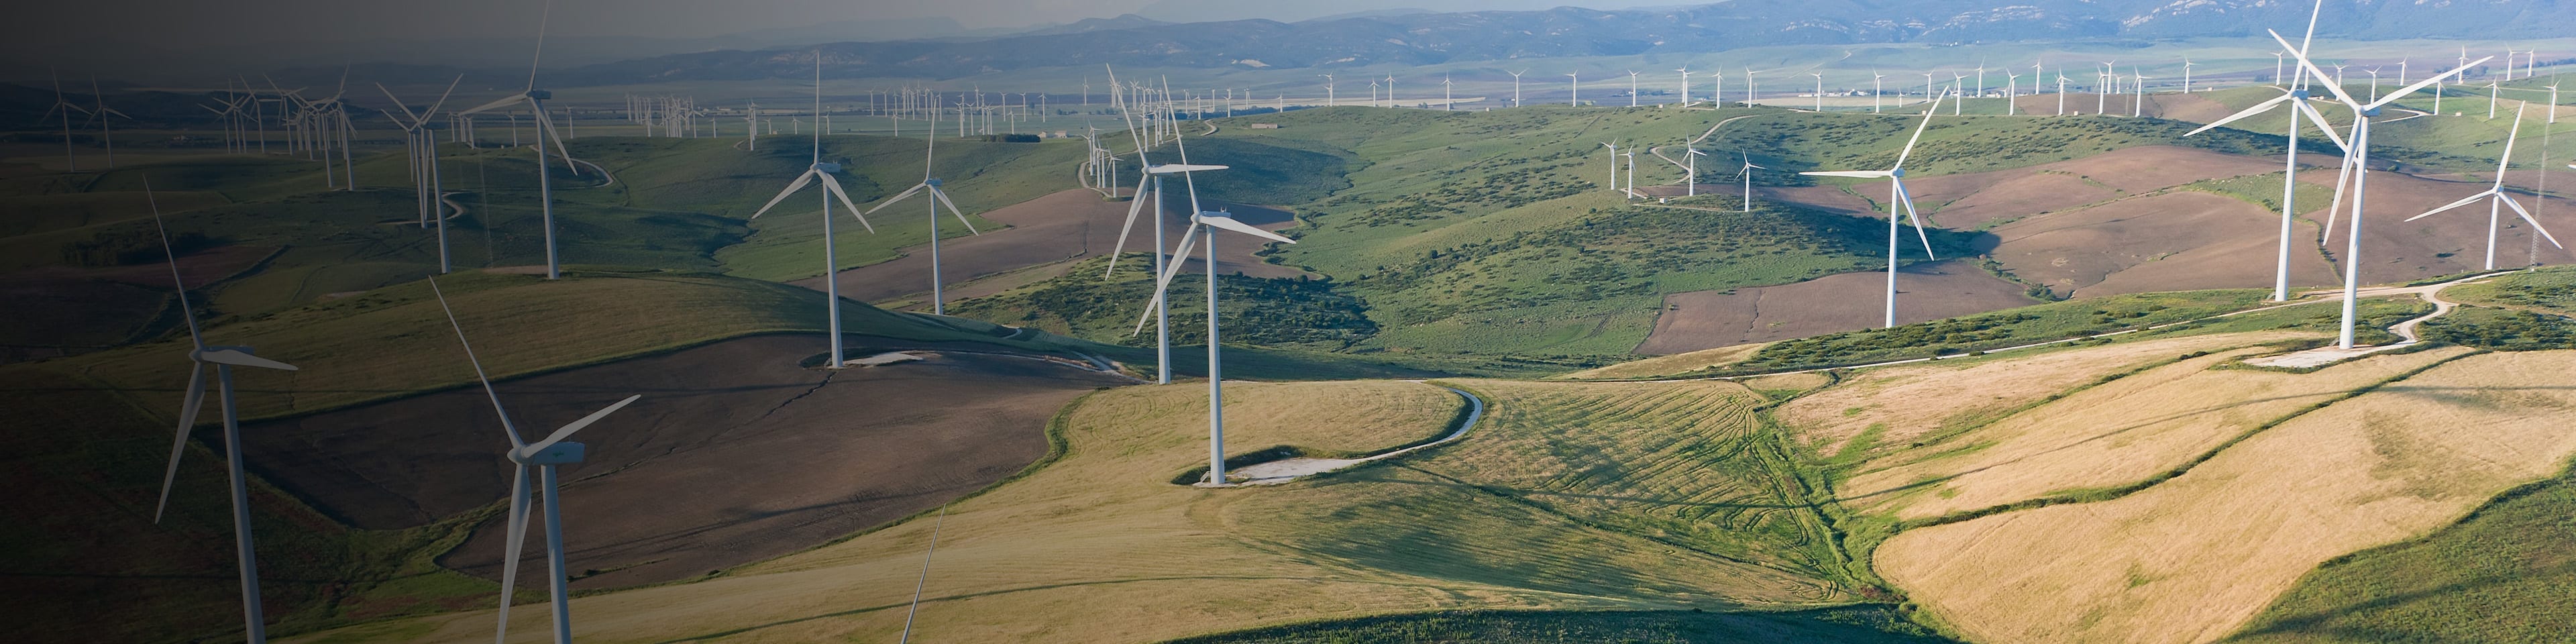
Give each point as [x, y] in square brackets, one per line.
[178, 22]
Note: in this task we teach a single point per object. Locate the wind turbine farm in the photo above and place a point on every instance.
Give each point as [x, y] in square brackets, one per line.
[1490, 361]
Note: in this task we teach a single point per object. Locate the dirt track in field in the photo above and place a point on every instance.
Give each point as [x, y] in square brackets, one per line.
[735, 454]
[1046, 234]
[1710, 319]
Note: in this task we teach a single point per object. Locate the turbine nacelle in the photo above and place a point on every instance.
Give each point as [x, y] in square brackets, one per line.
[1897, 173]
[560, 453]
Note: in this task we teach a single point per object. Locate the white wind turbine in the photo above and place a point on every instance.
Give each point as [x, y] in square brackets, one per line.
[1206, 223]
[1897, 198]
[1516, 87]
[1820, 90]
[2012, 84]
[424, 149]
[545, 455]
[1747, 174]
[2186, 76]
[1573, 97]
[1691, 185]
[1151, 180]
[223, 359]
[2358, 164]
[535, 99]
[1877, 88]
[1685, 70]
[71, 163]
[1613, 144]
[831, 190]
[106, 138]
[1632, 88]
[938, 197]
[2297, 102]
[2495, 196]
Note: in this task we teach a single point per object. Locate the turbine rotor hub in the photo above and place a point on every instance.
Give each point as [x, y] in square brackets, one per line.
[1898, 173]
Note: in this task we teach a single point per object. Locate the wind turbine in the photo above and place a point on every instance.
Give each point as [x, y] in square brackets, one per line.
[1897, 197]
[2186, 76]
[106, 139]
[536, 102]
[1685, 70]
[1820, 90]
[1516, 87]
[1877, 88]
[1574, 84]
[2495, 195]
[545, 455]
[1614, 162]
[224, 359]
[937, 197]
[2358, 163]
[2297, 100]
[1632, 88]
[424, 147]
[831, 190]
[1445, 97]
[1691, 185]
[1747, 174]
[1152, 178]
[70, 163]
[2012, 83]
[1206, 223]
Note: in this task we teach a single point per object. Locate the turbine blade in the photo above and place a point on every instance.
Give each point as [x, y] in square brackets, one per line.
[2526, 216]
[898, 198]
[1907, 198]
[442, 97]
[1135, 205]
[2249, 112]
[506, 426]
[2310, 112]
[1228, 222]
[547, 123]
[2322, 77]
[792, 187]
[1918, 130]
[2334, 207]
[1189, 239]
[2506, 161]
[574, 426]
[239, 359]
[834, 186]
[1857, 174]
[494, 105]
[2427, 82]
[185, 312]
[188, 406]
[515, 542]
[942, 197]
[398, 104]
[2483, 194]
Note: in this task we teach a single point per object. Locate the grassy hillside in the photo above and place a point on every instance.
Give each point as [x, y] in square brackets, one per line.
[1133, 556]
[1828, 625]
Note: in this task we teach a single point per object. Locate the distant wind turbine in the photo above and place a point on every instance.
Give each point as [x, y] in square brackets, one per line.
[536, 102]
[2495, 196]
[831, 190]
[1897, 198]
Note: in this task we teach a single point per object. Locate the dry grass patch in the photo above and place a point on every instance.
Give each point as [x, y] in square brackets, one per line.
[1897, 406]
[1101, 547]
[2192, 559]
[2121, 432]
[1678, 363]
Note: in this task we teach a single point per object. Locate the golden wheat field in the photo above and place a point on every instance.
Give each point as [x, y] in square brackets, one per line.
[2191, 559]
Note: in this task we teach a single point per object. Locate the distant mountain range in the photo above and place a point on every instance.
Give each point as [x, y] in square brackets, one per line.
[1436, 38]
